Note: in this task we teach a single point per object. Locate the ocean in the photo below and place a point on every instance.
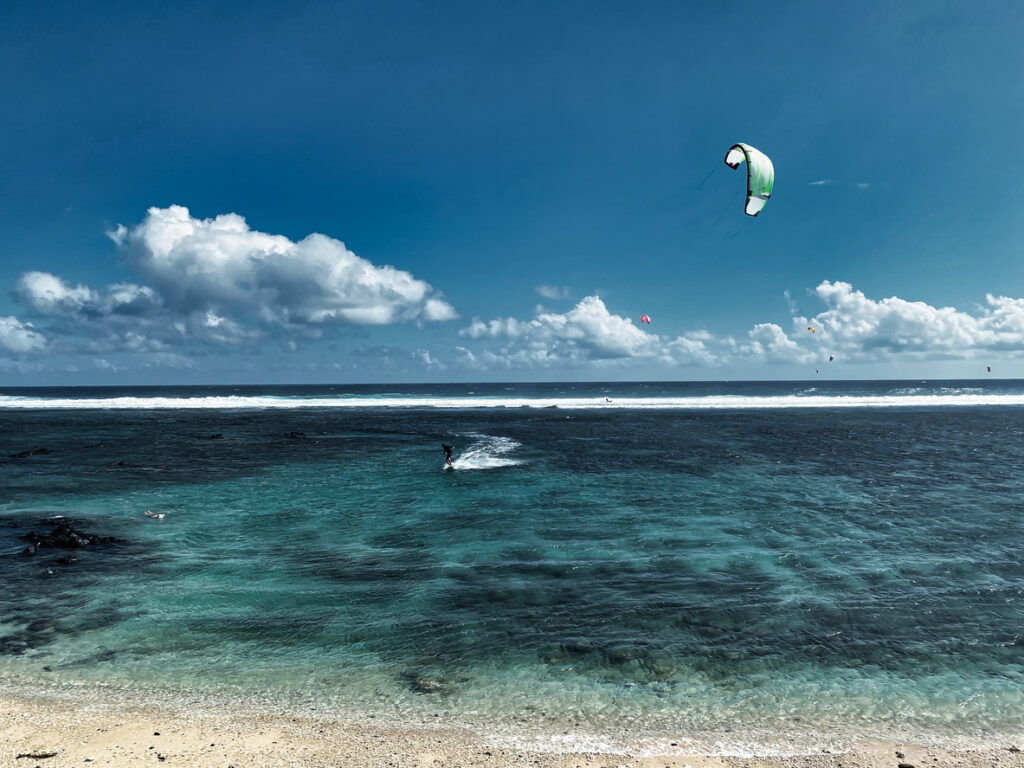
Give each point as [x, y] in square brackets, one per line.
[726, 563]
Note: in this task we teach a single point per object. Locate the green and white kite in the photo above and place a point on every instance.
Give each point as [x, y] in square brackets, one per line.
[760, 175]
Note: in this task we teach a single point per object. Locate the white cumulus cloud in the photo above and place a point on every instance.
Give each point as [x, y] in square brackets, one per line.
[586, 333]
[222, 264]
[866, 328]
[16, 336]
[49, 294]
[588, 330]
[769, 343]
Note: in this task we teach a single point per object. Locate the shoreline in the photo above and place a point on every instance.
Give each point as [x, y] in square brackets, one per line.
[95, 726]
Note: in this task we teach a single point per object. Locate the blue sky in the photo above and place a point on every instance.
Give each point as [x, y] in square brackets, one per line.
[498, 191]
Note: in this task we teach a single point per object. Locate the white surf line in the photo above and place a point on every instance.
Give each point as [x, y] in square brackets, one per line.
[564, 403]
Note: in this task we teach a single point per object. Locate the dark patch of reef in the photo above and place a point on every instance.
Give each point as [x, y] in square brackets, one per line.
[64, 536]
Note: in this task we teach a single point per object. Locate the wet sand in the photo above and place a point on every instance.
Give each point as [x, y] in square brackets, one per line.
[53, 730]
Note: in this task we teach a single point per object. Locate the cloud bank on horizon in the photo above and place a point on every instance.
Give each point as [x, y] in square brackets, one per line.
[216, 284]
[854, 328]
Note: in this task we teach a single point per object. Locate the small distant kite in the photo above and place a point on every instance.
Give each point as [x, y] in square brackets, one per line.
[760, 175]
[645, 319]
[830, 358]
[988, 368]
[810, 328]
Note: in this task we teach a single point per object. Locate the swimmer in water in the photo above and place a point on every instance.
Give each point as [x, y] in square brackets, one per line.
[155, 515]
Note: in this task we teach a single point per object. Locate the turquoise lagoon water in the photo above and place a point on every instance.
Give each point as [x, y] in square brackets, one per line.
[727, 561]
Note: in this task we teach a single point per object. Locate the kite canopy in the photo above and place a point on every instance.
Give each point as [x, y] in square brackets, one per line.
[645, 319]
[760, 175]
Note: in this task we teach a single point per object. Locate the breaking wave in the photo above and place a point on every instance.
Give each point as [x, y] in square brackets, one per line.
[963, 398]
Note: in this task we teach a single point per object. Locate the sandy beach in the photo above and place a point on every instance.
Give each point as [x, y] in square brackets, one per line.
[51, 730]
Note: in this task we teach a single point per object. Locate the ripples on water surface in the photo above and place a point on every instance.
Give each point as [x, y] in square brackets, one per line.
[681, 570]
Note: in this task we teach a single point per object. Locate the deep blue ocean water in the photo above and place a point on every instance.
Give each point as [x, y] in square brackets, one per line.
[705, 559]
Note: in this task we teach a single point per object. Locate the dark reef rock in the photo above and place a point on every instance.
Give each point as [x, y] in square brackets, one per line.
[621, 655]
[13, 645]
[580, 647]
[64, 536]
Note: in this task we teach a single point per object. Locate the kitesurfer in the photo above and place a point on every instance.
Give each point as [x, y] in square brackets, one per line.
[448, 454]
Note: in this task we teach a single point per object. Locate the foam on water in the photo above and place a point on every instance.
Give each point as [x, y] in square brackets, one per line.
[487, 452]
[909, 399]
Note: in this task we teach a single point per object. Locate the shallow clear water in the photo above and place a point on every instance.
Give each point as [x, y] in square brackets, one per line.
[680, 569]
